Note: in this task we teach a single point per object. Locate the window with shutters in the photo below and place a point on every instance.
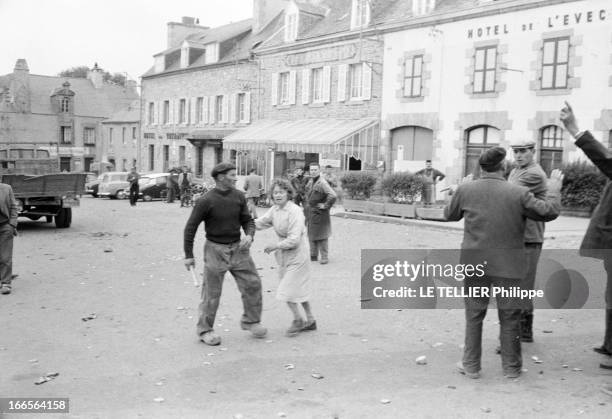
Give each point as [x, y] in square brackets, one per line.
[356, 81]
[219, 108]
[317, 85]
[485, 65]
[555, 62]
[166, 115]
[182, 111]
[199, 109]
[413, 76]
[151, 115]
[283, 88]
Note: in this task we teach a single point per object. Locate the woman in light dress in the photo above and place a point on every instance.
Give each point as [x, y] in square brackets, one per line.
[292, 254]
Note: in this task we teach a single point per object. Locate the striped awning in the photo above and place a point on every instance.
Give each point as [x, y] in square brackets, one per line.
[358, 138]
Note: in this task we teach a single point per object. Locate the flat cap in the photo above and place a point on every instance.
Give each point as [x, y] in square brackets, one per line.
[222, 168]
[492, 157]
[522, 143]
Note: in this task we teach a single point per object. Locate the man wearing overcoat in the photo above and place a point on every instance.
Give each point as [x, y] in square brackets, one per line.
[320, 197]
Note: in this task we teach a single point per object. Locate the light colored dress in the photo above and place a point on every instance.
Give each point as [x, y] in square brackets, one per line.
[293, 254]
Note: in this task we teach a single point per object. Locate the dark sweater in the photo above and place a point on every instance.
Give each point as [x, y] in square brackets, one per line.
[223, 213]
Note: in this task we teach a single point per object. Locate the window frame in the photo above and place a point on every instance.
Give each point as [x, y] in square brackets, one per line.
[283, 88]
[353, 86]
[182, 111]
[316, 85]
[151, 115]
[412, 77]
[555, 63]
[166, 113]
[65, 104]
[240, 107]
[89, 136]
[199, 109]
[219, 108]
[486, 69]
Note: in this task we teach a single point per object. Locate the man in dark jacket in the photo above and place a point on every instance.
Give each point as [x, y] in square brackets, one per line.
[494, 212]
[8, 229]
[299, 184]
[224, 212]
[597, 242]
[320, 197]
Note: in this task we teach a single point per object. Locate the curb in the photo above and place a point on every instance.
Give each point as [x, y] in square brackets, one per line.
[440, 225]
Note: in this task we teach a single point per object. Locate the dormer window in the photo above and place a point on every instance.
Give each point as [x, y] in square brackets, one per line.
[212, 53]
[423, 7]
[65, 105]
[360, 14]
[291, 27]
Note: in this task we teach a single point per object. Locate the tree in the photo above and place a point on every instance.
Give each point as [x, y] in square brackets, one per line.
[80, 72]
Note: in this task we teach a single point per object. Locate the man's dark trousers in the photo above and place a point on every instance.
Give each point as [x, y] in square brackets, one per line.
[134, 190]
[6, 253]
[509, 313]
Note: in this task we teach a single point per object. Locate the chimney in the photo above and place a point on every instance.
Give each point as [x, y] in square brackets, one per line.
[21, 66]
[177, 32]
[264, 11]
[96, 76]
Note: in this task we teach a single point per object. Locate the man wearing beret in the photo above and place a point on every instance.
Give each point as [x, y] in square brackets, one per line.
[529, 174]
[597, 242]
[224, 211]
[494, 211]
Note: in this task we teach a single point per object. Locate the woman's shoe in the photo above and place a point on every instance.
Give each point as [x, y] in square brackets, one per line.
[309, 325]
[295, 328]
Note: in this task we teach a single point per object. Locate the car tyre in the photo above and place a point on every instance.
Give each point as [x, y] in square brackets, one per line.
[121, 195]
[147, 198]
[63, 219]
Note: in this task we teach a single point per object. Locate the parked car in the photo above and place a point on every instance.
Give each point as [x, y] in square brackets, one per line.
[92, 185]
[114, 185]
[153, 186]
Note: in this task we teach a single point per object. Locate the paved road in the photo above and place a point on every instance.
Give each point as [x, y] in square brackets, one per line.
[124, 265]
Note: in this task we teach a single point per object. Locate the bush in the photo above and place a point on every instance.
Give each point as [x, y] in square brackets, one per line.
[359, 185]
[582, 185]
[402, 187]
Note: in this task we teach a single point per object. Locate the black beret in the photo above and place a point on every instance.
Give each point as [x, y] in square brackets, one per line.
[492, 157]
[222, 168]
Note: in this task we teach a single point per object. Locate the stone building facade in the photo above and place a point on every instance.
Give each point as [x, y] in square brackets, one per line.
[489, 72]
[120, 138]
[57, 116]
[200, 89]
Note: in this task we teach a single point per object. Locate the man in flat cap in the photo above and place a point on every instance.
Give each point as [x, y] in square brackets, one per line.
[224, 211]
[529, 174]
[494, 211]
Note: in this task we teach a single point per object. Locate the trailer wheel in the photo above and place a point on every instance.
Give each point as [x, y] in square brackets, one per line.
[63, 218]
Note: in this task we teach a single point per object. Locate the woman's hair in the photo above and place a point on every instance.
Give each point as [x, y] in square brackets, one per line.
[283, 184]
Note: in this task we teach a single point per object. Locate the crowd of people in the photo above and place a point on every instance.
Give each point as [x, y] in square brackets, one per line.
[501, 215]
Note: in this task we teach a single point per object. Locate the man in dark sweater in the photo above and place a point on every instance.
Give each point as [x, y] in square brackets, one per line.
[224, 211]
